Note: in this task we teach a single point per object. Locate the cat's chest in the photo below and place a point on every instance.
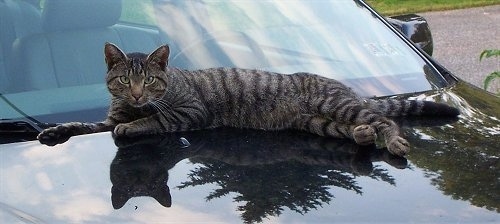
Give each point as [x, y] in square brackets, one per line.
[128, 113]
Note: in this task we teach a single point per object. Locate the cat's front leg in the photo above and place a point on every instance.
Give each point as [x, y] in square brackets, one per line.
[154, 124]
[61, 133]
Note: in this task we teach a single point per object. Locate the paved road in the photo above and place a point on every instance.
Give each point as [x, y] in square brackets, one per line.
[459, 38]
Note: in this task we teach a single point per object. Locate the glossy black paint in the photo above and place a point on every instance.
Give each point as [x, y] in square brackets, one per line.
[270, 171]
[416, 29]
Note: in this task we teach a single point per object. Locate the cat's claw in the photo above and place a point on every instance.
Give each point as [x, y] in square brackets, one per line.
[398, 146]
[364, 134]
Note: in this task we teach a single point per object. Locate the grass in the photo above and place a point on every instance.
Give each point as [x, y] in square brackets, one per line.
[396, 7]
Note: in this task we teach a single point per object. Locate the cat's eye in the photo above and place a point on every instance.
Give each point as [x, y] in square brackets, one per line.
[124, 79]
[149, 79]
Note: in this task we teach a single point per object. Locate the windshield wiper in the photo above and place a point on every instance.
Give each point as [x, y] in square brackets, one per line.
[18, 130]
[27, 124]
[20, 125]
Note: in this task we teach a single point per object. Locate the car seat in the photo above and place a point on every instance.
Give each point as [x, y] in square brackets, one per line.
[69, 52]
[18, 18]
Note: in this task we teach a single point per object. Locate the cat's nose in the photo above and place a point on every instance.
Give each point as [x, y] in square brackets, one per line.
[136, 96]
[136, 92]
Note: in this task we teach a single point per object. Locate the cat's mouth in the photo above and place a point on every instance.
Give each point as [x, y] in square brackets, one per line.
[138, 102]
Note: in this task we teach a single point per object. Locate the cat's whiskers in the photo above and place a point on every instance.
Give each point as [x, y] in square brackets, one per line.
[157, 108]
[164, 104]
[160, 108]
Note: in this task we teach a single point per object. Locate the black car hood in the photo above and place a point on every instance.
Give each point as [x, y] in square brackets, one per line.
[234, 175]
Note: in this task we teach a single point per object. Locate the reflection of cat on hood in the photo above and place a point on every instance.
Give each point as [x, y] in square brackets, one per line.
[138, 172]
[140, 167]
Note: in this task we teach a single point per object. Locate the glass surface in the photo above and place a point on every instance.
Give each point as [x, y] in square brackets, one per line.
[56, 71]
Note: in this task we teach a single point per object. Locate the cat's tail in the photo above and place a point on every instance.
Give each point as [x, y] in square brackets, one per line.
[400, 107]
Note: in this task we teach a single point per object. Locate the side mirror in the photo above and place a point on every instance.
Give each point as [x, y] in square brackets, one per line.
[416, 29]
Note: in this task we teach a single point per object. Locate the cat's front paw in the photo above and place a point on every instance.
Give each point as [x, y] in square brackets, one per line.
[54, 135]
[398, 146]
[125, 130]
[364, 134]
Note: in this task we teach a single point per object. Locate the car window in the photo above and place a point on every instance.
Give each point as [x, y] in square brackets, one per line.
[138, 12]
[351, 45]
[56, 72]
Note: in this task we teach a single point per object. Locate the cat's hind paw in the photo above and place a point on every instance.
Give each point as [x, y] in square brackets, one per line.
[364, 134]
[398, 146]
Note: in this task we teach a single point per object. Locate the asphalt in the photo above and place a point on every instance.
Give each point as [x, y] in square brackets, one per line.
[459, 38]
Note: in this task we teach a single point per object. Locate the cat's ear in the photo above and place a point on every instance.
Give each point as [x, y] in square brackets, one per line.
[160, 56]
[113, 55]
[162, 196]
[118, 198]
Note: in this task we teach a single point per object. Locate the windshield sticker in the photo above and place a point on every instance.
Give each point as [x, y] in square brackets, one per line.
[381, 49]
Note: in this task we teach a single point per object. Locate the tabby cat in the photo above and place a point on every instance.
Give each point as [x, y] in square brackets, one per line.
[149, 97]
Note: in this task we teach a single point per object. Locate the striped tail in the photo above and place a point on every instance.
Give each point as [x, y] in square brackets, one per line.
[399, 107]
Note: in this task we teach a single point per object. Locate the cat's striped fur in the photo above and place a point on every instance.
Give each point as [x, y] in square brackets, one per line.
[150, 98]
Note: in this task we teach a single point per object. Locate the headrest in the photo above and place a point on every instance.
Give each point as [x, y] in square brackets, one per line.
[61, 15]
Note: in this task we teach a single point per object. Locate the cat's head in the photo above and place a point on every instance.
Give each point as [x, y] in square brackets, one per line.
[137, 78]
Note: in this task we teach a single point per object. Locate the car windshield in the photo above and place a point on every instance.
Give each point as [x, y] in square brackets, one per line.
[52, 65]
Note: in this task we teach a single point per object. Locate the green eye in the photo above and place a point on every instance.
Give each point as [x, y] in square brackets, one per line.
[124, 79]
[149, 79]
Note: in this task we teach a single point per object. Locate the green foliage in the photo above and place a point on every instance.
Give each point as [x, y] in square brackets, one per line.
[397, 7]
[494, 75]
[489, 54]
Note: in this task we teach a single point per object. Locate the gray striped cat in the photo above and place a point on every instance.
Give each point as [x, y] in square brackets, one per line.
[149, 97]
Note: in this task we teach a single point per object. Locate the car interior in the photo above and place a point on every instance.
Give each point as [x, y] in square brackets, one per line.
[41, 47]
[48, 46]
[17, 19]
[52, 58]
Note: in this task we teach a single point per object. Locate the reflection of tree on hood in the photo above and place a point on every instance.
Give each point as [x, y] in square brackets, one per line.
[268, 170]
[297, 173]
[462, 160]
[267, 189]
[472, 174]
